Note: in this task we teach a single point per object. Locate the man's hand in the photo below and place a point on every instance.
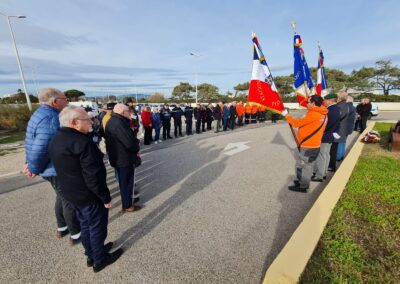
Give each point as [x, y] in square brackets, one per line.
[27, 172]
[108, 205]
[284, 113]
[335, 135]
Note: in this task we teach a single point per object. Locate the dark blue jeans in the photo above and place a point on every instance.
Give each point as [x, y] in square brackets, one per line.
[157, 134]
[125, 180]
[94, 221]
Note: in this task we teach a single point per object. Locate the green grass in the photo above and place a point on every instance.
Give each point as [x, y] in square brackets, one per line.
[361, 242]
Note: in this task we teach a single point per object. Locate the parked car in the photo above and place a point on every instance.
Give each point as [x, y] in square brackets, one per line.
[374, 109]
[88, 106]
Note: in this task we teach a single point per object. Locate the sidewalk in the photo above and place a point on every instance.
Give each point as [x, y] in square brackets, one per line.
[12, 161]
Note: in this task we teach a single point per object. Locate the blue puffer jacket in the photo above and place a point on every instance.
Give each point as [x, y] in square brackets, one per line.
[42, 126]
[156, 120]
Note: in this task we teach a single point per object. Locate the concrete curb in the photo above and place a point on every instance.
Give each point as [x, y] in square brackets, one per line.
[10, 174]
[293, 258]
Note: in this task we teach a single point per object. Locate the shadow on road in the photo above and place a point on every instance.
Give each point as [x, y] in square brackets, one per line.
[208, 167]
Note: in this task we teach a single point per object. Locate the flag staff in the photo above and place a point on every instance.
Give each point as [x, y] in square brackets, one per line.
[322, 73]
[291, 127]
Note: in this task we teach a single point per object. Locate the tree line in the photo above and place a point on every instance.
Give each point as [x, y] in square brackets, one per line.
[384, 77]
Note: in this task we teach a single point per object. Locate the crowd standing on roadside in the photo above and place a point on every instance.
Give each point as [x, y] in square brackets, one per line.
[62, 146]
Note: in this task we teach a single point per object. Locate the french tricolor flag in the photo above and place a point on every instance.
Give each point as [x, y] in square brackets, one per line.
[262, 89]
[322, 83]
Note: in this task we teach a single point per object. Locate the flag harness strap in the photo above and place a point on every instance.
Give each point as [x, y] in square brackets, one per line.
[312, 134]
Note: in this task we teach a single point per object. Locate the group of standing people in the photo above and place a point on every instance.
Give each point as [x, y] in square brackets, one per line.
[60, 147]
[220, 117]
[321, 137]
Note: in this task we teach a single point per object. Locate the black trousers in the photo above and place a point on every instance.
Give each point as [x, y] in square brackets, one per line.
[147, 135]
[166, 129]
[332, 156]
[178, 126]
[198, 123]
[94, 221]
[189, 124]
[209, 122]
[126, 177]
[240, 120]
[363, 123]
[65, 211]
[247, 118]
[232, 122]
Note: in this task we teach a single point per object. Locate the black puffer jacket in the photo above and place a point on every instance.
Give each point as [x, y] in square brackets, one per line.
[80, 168]
[121, 144]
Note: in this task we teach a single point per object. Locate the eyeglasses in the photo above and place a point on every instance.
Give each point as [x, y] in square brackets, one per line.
[83, 119]
[62, 99]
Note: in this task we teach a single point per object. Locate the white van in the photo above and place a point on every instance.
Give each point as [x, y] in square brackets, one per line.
[86, 104]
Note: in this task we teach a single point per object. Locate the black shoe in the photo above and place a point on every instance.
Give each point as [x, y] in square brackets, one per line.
[331, 170]
[316, 179]
[73, 242]
[136, 199]
[297, 188]
[296, 183]
[170, 137]
[110, 259]
[135, 192]
[324, 177]
[107, 248]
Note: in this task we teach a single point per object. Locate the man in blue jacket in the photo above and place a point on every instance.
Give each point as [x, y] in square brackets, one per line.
[331, 132]
[42, 126]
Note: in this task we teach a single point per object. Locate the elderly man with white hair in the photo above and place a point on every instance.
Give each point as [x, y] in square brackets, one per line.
[42, 126]
[123, 148]
[82, 178]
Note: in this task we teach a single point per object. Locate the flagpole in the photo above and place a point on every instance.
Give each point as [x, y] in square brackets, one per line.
[291, 127]
[322, 73]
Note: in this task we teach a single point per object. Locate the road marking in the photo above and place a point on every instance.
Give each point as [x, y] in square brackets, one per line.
[234, 148]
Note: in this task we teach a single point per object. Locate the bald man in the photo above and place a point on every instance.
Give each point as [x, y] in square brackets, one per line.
[123, 148]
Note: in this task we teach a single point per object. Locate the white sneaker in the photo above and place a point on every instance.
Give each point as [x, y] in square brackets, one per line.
[156, 142]
[159, 141]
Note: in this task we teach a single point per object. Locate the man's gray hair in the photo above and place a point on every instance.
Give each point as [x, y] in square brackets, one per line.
[342, 96]
[67, 114]
[47, 95]
[349, 99]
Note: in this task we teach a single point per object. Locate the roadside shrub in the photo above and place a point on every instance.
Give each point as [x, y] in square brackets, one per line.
[15, 116]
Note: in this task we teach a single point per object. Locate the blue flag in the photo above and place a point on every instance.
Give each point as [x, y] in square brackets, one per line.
[303, 83]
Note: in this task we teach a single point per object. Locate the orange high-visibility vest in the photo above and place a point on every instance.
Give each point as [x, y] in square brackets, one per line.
[240, 109]
[261, 108]
[248, 109]
[254, 109]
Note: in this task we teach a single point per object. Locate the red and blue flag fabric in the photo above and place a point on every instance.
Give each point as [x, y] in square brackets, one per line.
[303, 83]
[322, 83]
[262, 89]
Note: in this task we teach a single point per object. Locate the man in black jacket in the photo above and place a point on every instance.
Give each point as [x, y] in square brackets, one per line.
[177, 114]
[189, 119]
[122, 148]
[165, 115]
[330, 133]
[233, 115]
[217, 116]
[82, 177]
[364, 110]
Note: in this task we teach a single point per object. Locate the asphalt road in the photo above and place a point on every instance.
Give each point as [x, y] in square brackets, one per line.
[209, 216]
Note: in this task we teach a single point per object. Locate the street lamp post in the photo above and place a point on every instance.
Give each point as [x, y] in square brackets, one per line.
[28, 101]
[195, 71]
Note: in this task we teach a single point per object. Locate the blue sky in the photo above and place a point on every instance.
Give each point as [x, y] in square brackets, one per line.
[127, 46]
